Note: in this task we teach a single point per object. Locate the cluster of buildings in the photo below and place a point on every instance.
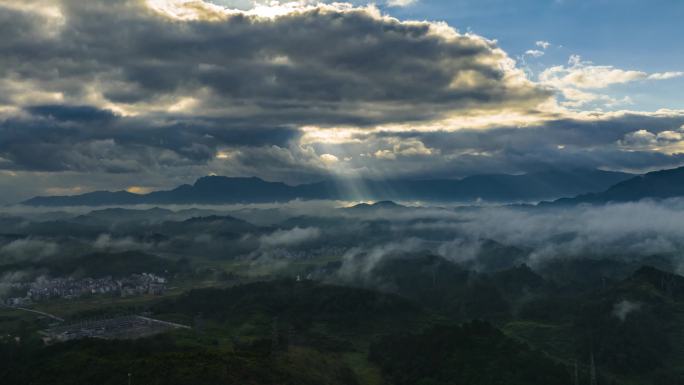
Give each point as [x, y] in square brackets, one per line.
[126, 327]
[68, 288]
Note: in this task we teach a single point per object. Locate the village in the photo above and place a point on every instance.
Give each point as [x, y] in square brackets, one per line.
[43, 289]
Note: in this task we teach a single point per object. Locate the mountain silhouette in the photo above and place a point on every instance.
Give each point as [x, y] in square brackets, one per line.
[653, 185]
[227, 190]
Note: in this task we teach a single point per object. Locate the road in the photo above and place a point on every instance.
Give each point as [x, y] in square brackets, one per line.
[54, 317]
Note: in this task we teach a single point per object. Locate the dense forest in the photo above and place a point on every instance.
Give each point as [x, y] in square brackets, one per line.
[481, 329]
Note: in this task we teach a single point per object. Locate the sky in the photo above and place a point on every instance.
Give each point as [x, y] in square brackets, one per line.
[141, 95]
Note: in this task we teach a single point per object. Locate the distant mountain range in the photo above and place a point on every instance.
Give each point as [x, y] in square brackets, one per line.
[491, 188]
[653, 185]
[382, 205]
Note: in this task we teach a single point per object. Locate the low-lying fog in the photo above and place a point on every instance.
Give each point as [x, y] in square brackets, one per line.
[270, 237]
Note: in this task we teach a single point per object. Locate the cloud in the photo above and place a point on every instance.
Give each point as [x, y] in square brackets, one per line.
[669, 141]
[575, 98]
[585, 75]
[401, 3]
[624, 308]
[363, 239]
[9, 279]
[169, 88]
[275, 251]
[29, 248]
[556, 144]
[573, 80]
[534, 53]
[584, 231]
[74, 138]
[542, 235]
[536, 236]
[329, 158]
[542, 44]
[585, 141]
[107, 242]
[359, 262]
[665, 75]
[107, 94]
[582, 76]
[292, 237]
[404, 148]
[301, 65]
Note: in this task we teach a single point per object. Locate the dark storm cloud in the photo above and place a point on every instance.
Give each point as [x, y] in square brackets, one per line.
[250, 81]
[318, 66]
[85, 114]
[81, 138]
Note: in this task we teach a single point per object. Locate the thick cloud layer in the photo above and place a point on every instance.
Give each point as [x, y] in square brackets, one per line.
[537, 236]
[608, 143]
[485, 239]
[314, 65]
[151, 94]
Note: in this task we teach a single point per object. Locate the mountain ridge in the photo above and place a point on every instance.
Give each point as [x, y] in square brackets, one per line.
[662, 184]
[230, 190]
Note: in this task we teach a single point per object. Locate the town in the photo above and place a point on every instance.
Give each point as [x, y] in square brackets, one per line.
[43, 288]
